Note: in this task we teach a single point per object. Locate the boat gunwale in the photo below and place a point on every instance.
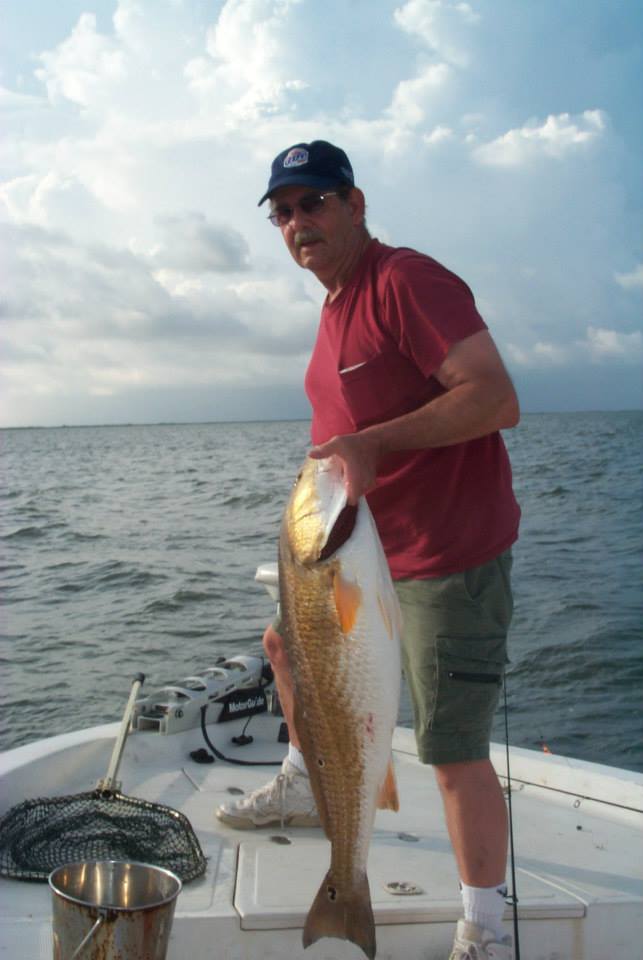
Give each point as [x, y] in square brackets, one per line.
[583, 780]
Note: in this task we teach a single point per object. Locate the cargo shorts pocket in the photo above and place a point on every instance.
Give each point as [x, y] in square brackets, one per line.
[469, 679]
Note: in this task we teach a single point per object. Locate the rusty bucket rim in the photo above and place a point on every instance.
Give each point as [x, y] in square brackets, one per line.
[108, 906]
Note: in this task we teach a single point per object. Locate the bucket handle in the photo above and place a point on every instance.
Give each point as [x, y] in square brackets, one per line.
[83, 943]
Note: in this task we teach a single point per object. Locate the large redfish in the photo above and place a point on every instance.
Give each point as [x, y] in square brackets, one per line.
[341, 622]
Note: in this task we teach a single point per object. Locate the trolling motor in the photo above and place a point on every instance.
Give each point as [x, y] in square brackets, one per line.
[231, 689]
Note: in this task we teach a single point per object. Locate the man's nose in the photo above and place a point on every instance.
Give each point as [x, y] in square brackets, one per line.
[298, 218]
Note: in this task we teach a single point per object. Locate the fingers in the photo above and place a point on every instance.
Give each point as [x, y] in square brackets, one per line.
[357, 461]
[319, 452]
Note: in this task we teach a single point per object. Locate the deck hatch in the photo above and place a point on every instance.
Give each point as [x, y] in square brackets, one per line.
[276, 884]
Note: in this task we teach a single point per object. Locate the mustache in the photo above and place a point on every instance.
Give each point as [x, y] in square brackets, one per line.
[306, 236]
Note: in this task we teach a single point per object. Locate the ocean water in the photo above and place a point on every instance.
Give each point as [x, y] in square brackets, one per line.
[132, 548]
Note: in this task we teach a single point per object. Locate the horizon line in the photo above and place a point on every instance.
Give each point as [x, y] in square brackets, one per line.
[186, 423]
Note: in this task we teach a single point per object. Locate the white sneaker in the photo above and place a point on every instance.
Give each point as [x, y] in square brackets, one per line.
[287, 800]
[475, 943]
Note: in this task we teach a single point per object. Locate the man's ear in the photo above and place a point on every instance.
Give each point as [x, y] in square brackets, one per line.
[357, 203]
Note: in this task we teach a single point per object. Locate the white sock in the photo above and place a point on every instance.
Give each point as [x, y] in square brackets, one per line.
[485, 906]
[296, 757]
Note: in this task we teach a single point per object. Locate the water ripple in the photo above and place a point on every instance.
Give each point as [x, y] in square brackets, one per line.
[134, 548]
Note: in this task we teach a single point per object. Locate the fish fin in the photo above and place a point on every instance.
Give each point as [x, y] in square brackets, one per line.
[347, 917]
[390, 610]
[348, 598]
[388, 798]
[386, 617]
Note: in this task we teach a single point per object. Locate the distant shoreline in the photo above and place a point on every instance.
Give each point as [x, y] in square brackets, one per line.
[203, 423]
[153, 423]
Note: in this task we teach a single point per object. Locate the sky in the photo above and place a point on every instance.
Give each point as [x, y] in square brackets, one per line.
[142, 283]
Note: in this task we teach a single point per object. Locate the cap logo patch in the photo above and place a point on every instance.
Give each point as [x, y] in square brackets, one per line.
[296, 157]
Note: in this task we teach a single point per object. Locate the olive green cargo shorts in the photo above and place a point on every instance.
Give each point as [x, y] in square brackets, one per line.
[454, 651]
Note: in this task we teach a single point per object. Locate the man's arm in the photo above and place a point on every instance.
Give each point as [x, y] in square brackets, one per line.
[479, 399]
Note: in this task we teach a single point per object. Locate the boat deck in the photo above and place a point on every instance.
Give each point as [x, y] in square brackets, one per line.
[577, 828]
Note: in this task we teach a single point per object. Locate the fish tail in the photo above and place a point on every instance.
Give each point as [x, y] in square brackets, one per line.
[387, 798]
[347, 917]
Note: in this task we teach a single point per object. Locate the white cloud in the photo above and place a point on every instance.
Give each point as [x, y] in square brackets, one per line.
[193, 244]
[84, 66]
[438, 25]
[13, 100]
[555, 138]
[248, 60]
[550, 353]
[438, 135]
[130, 181]
[413, 98]
[598, 344]
[632, 280]
[90, 317]
[50, 199]
[540, 354]
[602, 343]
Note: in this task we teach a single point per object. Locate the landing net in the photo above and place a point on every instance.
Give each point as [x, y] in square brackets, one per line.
[36, 836]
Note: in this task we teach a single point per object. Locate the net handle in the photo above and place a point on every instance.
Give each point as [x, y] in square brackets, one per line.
[108, 783]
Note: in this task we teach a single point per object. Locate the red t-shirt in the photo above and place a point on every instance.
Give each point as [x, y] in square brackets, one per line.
[440, 510]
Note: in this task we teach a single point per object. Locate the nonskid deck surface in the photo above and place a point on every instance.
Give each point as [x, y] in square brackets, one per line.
[577, 835]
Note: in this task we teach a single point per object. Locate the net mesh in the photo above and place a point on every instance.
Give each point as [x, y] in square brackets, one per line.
[36, 836]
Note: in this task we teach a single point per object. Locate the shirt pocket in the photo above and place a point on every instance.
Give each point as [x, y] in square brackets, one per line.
[385, 386]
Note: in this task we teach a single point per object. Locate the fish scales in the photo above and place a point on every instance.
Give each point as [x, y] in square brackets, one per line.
[340, 623]
[326, 668]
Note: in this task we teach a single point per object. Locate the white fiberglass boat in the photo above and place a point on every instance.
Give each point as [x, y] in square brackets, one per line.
[578, 832]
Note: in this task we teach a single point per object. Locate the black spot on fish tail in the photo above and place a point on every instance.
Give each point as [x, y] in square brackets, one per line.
[347, 915]
[342, 529]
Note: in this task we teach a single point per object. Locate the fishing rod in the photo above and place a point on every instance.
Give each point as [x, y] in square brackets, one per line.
[514, 893]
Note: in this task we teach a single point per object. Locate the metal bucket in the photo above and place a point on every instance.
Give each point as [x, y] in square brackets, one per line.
[112, 910]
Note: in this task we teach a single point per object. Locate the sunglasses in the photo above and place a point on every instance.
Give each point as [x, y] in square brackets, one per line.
[313, 203]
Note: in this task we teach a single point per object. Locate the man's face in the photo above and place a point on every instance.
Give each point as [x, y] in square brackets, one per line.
[319, 240]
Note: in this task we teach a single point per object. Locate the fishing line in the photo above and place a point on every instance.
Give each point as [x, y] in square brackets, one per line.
[514, 895]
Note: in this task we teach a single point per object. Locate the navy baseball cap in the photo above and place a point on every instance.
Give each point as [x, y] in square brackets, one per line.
[316, 164]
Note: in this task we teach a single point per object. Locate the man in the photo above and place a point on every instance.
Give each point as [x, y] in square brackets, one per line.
[409, 392]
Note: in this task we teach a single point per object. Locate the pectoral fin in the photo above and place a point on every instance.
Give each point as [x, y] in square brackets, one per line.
[348, 598]
[390, 609]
